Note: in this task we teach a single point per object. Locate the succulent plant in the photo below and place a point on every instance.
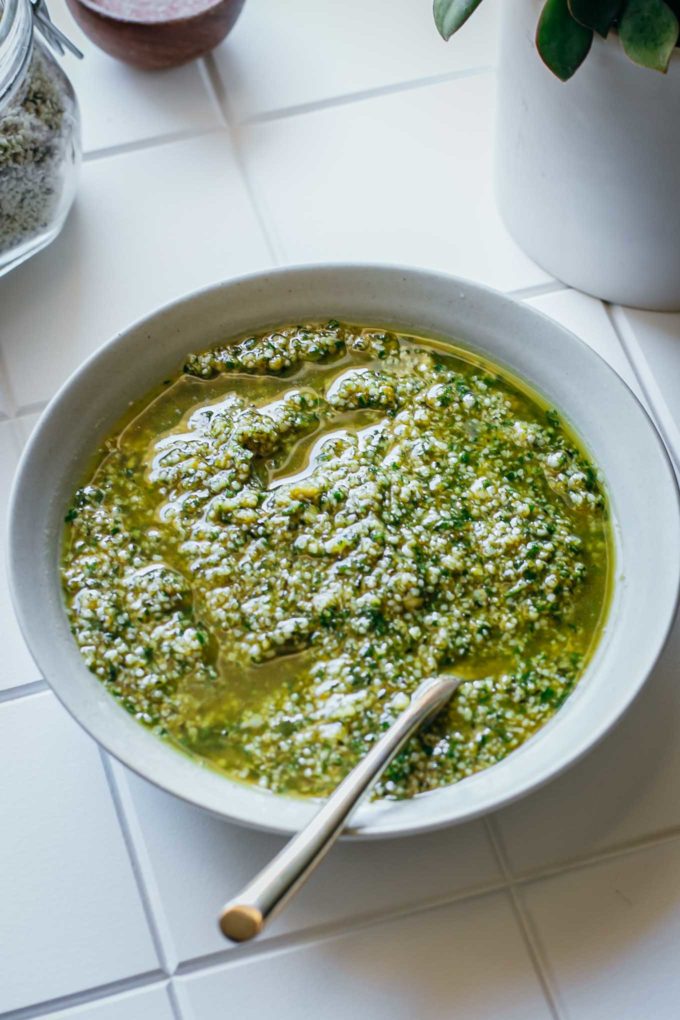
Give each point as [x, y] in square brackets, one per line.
[648, 29]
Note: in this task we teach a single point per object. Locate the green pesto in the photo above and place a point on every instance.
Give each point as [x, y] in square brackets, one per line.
[282, 541]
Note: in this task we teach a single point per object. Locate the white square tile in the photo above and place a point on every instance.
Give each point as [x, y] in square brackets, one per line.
[138, 1004]
[25, 424]
[653, 342]
[467, 960]
[17, 666]
[403, 178]
[611, 934]
[120, 104]
[625, 789]
[148, 227]
[71, 912]
[357, 879]
[585, 316]
[318, 50]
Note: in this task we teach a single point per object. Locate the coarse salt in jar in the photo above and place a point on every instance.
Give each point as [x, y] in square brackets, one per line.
[39, 134]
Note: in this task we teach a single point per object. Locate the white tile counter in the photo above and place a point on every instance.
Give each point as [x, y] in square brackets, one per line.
[319, 130]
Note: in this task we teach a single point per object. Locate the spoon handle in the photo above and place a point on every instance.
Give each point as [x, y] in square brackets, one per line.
[245, 916]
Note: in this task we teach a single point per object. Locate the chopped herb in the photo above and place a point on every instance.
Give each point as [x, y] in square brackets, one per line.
[346, 512]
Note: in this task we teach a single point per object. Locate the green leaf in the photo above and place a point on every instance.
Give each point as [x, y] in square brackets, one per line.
[649, 31]
[449, 15]
[599, 15]
[561, 41]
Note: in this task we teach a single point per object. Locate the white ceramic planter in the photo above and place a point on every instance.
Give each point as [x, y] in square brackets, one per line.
[588, 171]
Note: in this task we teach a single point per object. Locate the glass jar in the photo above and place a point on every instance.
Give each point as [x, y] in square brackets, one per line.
[39, 138]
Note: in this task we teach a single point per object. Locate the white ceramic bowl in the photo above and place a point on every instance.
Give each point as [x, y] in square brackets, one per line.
[613, 425]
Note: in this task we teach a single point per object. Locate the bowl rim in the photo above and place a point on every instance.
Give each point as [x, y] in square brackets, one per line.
[379, 825]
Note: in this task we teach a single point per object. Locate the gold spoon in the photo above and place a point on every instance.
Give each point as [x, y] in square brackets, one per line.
[245, 916]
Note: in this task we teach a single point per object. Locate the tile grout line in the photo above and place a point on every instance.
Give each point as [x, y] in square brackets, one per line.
[642, 371]
[144, 144]
[529, 936]
[626, 849]
[655, 838]
[23, 691]
[179, 1011]
[508, 882]
[98, 993]
[309, 936]
[538, 290]
[314, 934]
[207, 71]
[214, 86]
[220, 97]
[378, 92]
[25, 410]
[141, 868]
